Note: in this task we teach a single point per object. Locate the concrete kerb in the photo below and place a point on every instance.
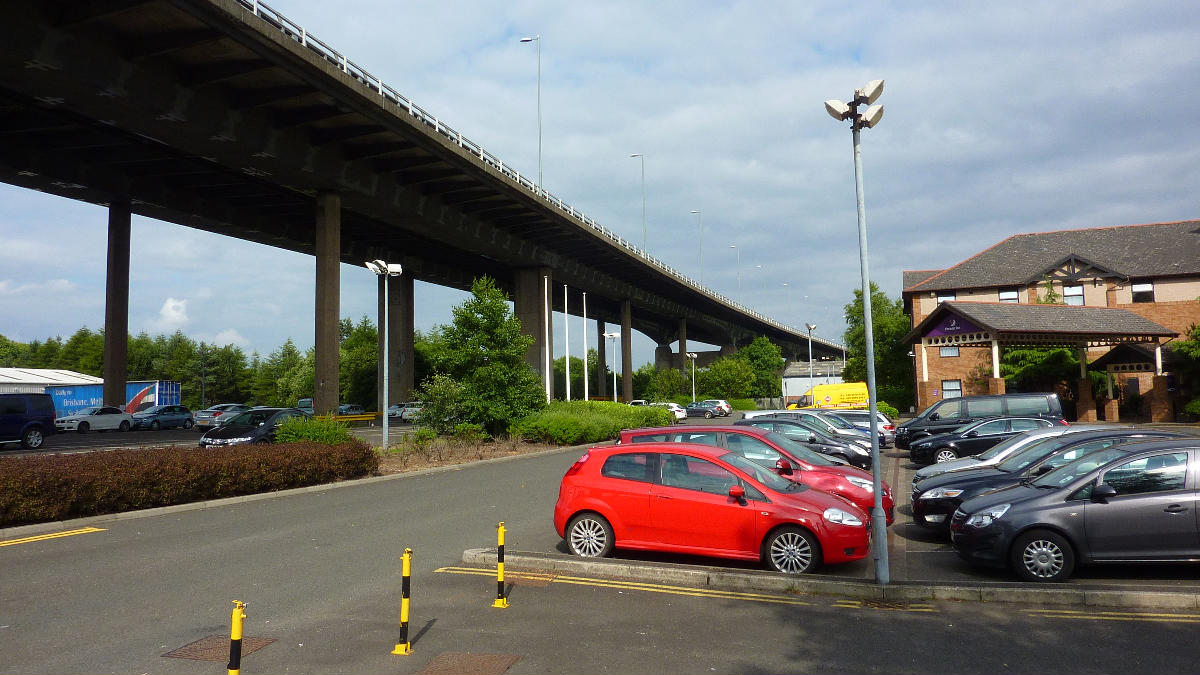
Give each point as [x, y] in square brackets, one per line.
[691, 576]
[63, 525]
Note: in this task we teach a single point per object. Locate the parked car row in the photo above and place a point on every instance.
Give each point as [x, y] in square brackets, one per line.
[735, 491]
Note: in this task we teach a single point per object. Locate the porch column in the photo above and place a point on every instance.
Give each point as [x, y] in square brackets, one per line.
[1112, 412]
[328, 289]
[116, 306]
[1160, 401]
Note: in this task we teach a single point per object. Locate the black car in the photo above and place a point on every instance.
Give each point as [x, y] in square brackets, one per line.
[26, 419]
[972, 439]
[934, 500]
[257, 425]
[1132, 502]
[951, 413]
[702, 409]
[816, 439]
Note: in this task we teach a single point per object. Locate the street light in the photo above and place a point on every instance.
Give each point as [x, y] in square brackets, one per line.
[700, 242]
[692, 356]
[643, 158]
[764, 281]
[811, 327]
[538, 40]
[612, 345]
[739, 269]
[866, 120]
[567, 344]
[585, 349]
[385, 270]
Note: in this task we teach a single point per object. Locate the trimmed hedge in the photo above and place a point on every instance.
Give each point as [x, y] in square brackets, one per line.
[576, 422]
[58, 487]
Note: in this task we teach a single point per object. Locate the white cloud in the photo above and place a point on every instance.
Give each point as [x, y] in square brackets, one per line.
[172, 316]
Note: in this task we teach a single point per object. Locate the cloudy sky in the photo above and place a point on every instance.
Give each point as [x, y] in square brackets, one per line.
[1000, 118]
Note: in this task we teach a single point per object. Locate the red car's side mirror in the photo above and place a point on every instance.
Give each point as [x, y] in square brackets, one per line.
[737, 492]
[783, 467]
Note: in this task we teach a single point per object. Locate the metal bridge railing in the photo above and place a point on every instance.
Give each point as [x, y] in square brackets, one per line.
[390, 96]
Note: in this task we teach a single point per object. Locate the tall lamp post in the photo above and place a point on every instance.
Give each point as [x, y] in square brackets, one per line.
[612, 343]
[692, 356]
[700, 242]
[739, 269]
[538, 40]
[385, 270]
[585, 349]
[811, 327]
[643, 158]
[859, 121]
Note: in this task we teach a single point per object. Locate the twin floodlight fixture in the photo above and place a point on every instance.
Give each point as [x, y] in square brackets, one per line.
[384, 268]
[865, 96]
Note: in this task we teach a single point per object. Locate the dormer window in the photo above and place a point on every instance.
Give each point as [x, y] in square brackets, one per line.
[1073, 295]
[945, 296]
[1010, 295]
[1143, 292]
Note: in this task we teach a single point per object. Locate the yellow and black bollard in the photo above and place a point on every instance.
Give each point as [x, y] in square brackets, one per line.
[235, 638]
[403, 646]
[501, 601]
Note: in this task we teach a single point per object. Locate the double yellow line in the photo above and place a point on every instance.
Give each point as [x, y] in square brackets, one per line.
[52, 535]
[631, 586]
[1094, 615]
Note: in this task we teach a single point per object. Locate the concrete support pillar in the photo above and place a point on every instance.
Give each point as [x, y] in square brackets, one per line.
[663, 357]
[626, 350]
[683, 350]
[531, 304]
[1160, 401]
[399, 332]
[601, 361]
[996, 385]
[728, 350]
[1085, 403]
[116, 305]
[328, 287]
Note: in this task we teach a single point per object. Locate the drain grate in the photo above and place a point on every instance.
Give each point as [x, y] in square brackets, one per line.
[464, 663]
[216, 648]
[531, 579]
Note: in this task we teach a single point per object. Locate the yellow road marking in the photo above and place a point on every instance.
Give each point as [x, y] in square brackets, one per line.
[1114, 616]
[638, 586]
[52, 535]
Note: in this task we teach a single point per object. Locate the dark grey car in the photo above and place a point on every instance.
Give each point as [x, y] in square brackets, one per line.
[1134, 502]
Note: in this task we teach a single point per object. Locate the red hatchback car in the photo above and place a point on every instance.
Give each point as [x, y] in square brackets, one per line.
[767, 448]
[702, 500]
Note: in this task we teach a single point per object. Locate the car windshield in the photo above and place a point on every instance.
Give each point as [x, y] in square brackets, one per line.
[966, 427]
[1068, 473]
[838, 421]
[1001, 448]
[760, 473]
[252, 418]
[1035, 452]
[798, 450]
[92, 410]
[152, 409]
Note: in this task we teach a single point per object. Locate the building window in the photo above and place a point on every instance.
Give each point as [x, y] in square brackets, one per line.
[1073, 295]
[1143, 292]
[945, 296]
[1010, 295]
[948, 351]
[951, 388]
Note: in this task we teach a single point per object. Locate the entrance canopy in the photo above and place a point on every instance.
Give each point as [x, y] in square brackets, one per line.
[1026, 325]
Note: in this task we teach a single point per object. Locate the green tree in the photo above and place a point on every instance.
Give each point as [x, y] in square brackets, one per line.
[12, 353]
[726, 378]
[483, 350]
[359, 363]
[766, 360]
[560, 378]
[666, 385]
[893, 365]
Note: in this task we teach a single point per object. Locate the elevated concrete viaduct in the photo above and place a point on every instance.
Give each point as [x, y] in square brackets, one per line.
[225, 116]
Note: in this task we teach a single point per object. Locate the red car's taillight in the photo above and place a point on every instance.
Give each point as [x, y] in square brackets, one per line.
[577, 465]
[890, 427]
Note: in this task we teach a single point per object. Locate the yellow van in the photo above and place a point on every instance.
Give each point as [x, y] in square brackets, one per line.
[843, 395]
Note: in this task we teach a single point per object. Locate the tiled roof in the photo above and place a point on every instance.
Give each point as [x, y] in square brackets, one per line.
[1004, 317]
[914, 277]
[1135, 251]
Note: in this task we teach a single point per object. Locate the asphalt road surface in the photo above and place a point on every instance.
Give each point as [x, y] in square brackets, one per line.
[320, 572]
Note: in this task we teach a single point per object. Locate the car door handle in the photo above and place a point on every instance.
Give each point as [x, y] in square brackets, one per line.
[1175, 508]
[664, 496]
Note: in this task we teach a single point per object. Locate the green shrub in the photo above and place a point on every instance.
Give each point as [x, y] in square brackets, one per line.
[576, 422]
[470, 433]
[886, 409]
[59, 487]
[323, 429]
[743, 404]
[1192, 407]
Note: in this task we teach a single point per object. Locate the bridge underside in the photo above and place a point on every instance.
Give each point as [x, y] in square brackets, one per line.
[198, 112]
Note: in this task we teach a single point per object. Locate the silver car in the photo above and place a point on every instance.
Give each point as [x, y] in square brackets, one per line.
[862, 420]
[216, 415]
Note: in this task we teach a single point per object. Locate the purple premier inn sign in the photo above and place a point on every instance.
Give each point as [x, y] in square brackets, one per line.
[952, 325]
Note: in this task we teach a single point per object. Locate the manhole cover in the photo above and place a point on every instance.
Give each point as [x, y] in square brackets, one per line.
[462, 663]
[216, 648]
